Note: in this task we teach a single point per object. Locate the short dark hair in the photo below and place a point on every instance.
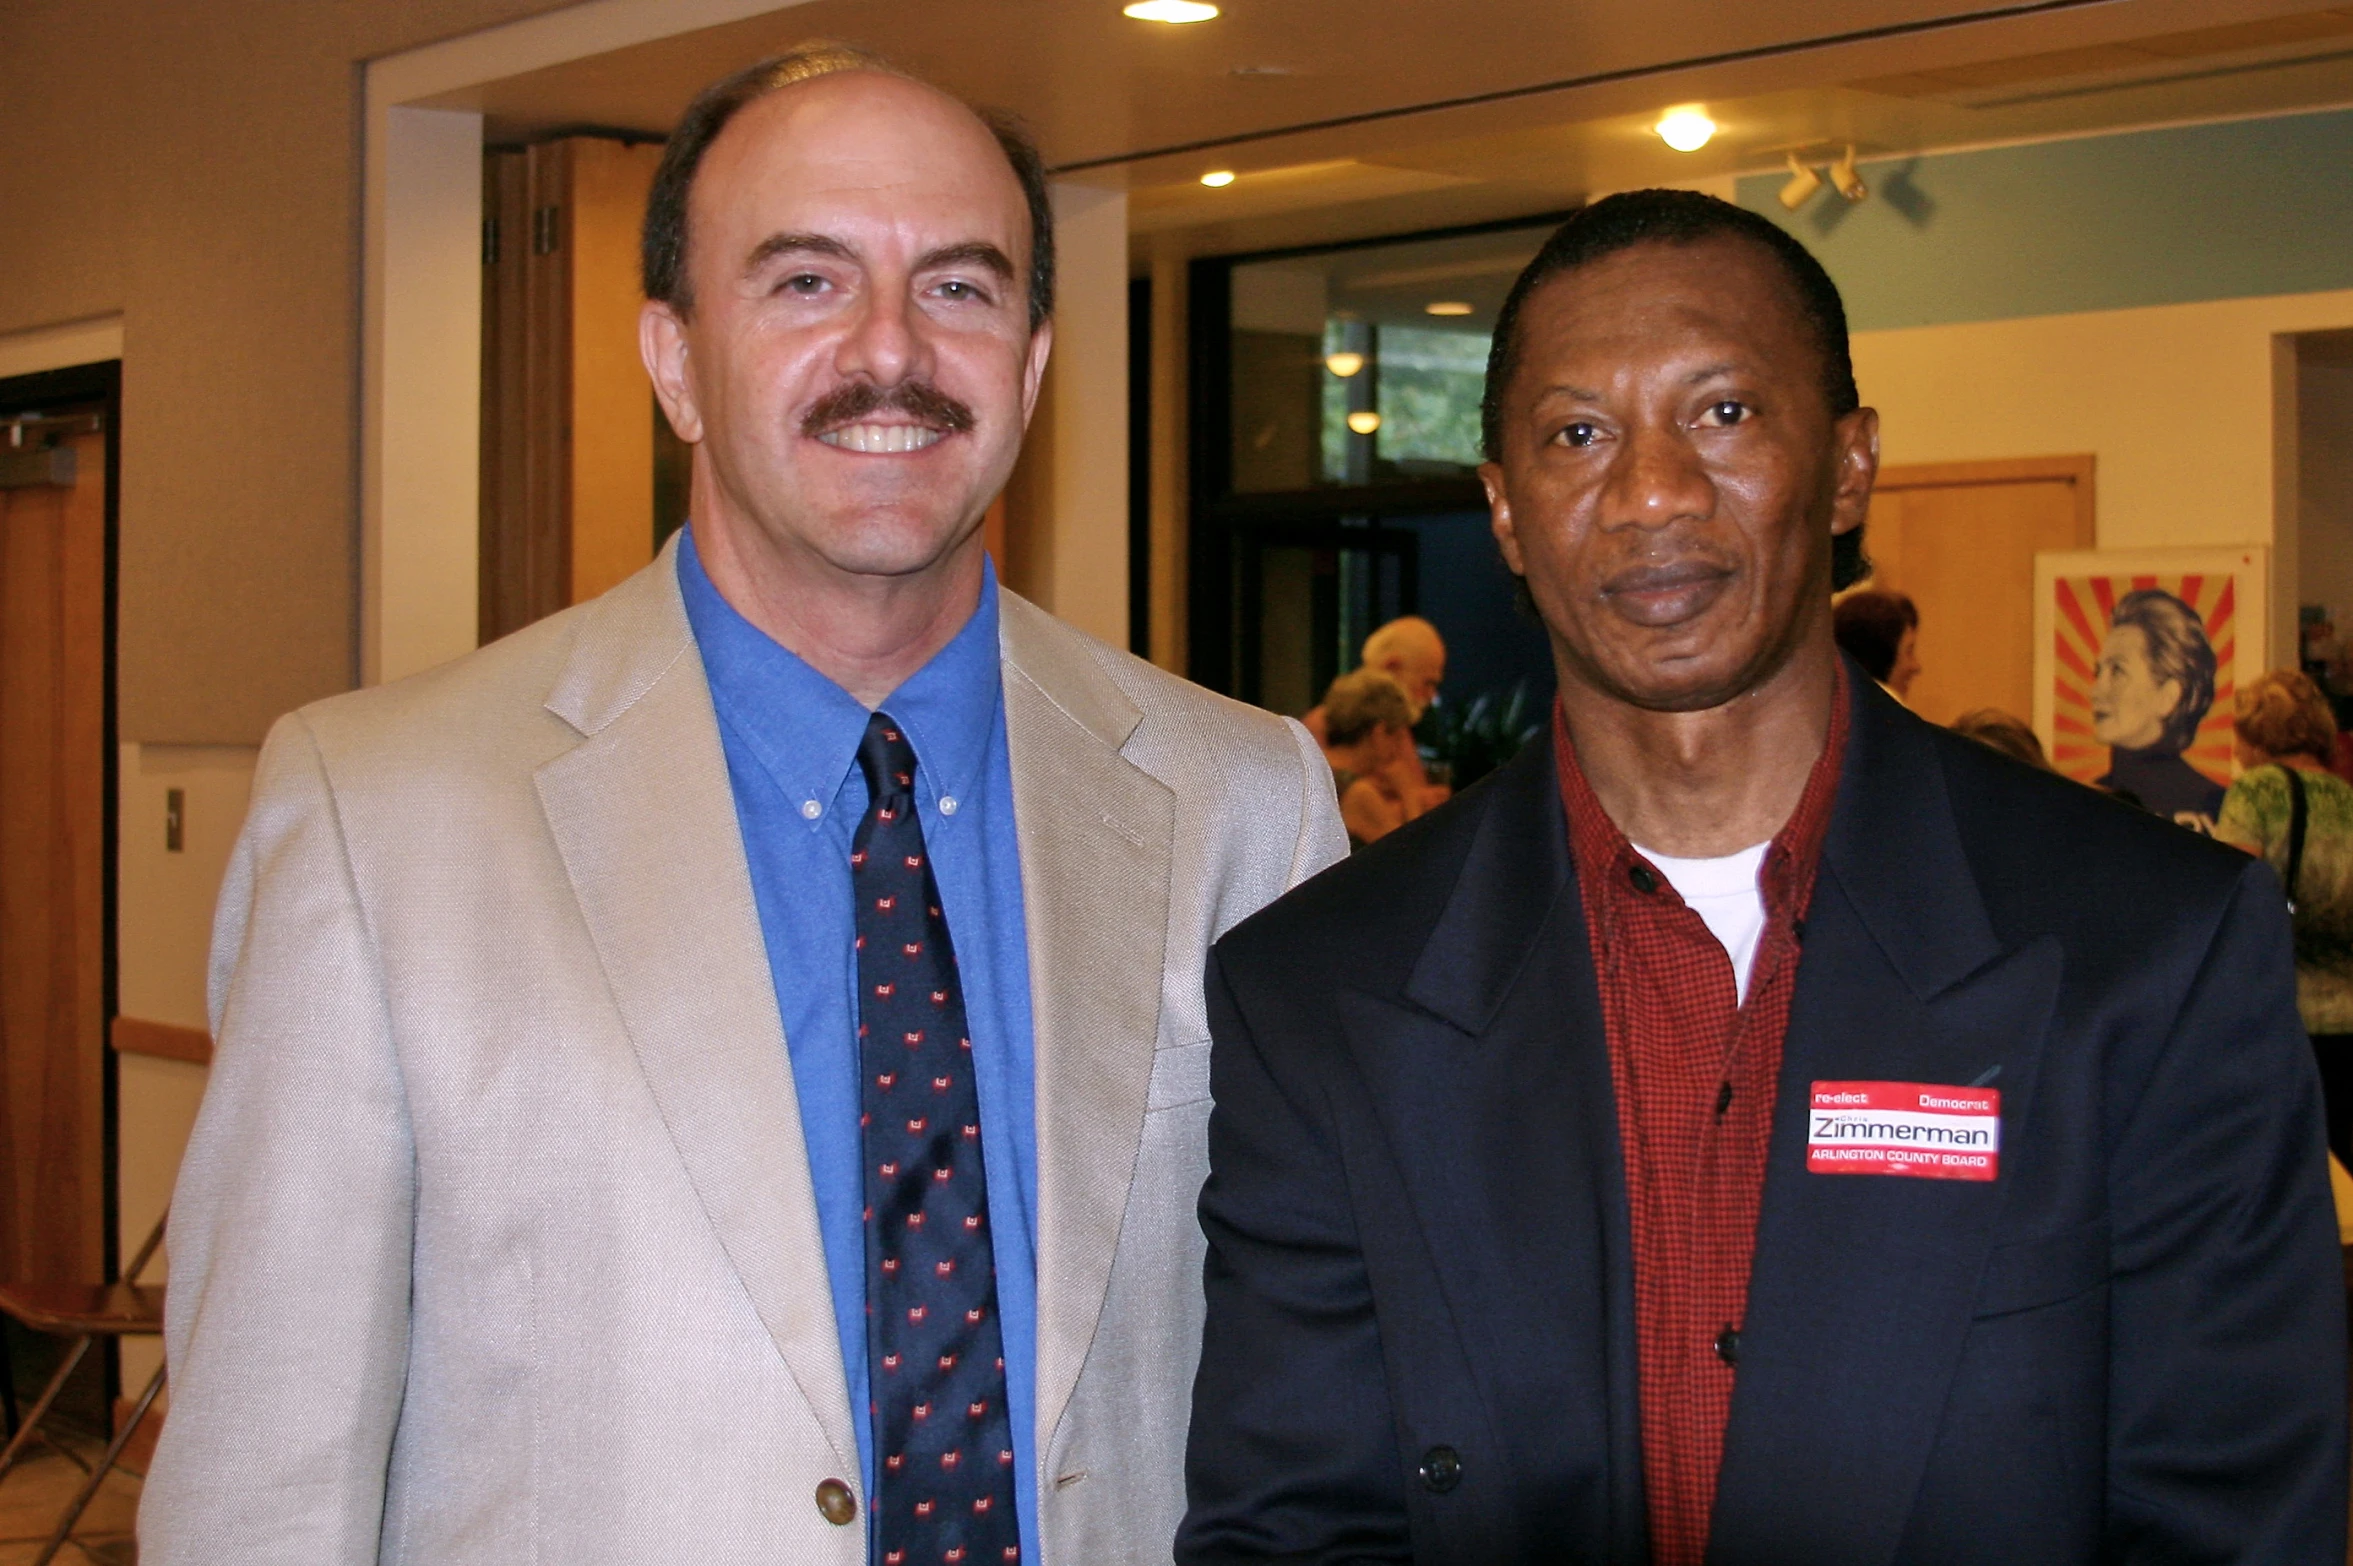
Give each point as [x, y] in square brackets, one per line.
[1870, 629]
[1683, 217]
[662, 246]
[2178, 651]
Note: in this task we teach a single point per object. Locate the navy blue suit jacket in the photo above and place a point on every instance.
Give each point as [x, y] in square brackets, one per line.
[2129, 1346]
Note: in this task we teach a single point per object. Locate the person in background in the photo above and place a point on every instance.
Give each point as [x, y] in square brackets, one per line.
[1370, 723]
[1880, 631]
[2151, 688]
[1410, 651]
[2010, 736]
[2286, 735]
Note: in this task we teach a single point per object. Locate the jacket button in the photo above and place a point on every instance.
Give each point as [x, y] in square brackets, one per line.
[1728, 1345]
[1441, 1469]
[836, 1502]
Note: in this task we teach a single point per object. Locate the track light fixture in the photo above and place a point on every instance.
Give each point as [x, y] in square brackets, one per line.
[1846, 180]
[1803, 182]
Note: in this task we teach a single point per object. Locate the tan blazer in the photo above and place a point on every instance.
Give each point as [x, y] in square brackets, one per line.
[495, 1241]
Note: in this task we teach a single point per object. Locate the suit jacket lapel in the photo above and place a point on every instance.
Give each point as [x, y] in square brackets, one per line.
[1508, 1110]
[1096, 834]
[644, 817]
[1863, 1285]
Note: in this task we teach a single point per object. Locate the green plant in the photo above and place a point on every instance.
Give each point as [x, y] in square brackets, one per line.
[1482, 734]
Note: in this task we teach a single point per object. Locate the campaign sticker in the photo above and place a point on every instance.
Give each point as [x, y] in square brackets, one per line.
[1920, 1129]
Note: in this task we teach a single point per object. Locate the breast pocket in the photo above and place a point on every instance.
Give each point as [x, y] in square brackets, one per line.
[2029, 1274]
[1180, 1076]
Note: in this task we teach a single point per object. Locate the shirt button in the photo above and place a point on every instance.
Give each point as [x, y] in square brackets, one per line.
[1643, 879]
[1441, 1469]
[947, 804]
[811, 810]
[1728, 1345]
[835, 1502]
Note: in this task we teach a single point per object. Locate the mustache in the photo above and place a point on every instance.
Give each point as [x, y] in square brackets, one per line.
[860, 400]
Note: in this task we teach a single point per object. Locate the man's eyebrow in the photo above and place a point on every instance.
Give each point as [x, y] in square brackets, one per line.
[776, 245]
[1573, 393]
[1711, 372]
[973, 252]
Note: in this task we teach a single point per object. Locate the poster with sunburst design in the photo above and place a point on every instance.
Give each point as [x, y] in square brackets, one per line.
[2137, 655]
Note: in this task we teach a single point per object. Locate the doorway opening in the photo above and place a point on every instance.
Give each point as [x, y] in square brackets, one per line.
[58, 464]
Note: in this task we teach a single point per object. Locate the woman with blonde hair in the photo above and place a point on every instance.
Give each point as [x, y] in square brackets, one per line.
[2290, 810]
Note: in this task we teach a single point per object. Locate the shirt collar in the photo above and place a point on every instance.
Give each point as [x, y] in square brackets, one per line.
[1606, 860]
[804, 729]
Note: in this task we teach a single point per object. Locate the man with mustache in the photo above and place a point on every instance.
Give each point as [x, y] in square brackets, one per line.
[1755, 1126]
[721, 1075]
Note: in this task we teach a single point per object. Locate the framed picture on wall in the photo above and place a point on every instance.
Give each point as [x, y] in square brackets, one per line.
[2137, 654]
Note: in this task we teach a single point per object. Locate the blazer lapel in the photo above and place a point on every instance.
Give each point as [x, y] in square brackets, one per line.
[1492, 1081]
[1862, 1289]
[644, 817]
[1097, 834]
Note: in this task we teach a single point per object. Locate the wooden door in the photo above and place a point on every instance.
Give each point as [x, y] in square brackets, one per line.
[567, 477]
[53, 863]
[1959, 538]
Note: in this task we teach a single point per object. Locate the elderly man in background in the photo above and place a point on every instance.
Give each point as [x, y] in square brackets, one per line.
[720, 1076]
[1409, 651]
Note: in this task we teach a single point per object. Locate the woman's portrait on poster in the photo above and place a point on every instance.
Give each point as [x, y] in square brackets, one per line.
[2152, 686]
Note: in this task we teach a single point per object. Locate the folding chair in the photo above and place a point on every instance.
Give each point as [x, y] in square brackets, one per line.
[84, 1313]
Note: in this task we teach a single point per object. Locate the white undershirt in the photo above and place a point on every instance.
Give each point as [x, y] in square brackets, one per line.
[1725, 895]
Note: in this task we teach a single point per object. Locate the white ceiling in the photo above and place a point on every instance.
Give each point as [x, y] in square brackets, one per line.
[1345, 118]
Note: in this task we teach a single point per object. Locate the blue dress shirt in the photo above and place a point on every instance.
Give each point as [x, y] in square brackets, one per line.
[791, 737]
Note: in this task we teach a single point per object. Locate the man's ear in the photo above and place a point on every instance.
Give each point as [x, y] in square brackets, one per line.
[1033, 368]
[1858, 469]
[1499, 520]
[661, 343]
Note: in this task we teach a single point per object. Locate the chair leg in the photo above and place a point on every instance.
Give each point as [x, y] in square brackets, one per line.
[114, 1449]
[32, 1422]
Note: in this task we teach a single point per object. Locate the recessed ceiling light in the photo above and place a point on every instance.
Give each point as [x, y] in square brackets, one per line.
[1175, 12]
[1364, 421]
[1446, 307]
[1686, 129]
[1218, 179]
[1344, 364]
[1260, 70]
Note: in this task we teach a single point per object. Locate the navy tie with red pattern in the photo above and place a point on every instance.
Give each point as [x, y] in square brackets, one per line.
[935, 1355]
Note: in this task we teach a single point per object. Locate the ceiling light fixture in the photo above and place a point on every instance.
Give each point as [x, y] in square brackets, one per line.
[1803, 182]
[1344, 364]
[1364, 421]
[1446, 307]
[1174, 12]
[1685, 128]
[1218, 179]
[1846, 180]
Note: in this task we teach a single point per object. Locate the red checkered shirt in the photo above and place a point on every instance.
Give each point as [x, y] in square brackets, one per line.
[1694, 1071]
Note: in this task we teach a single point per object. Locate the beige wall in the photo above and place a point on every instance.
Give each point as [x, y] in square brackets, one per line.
[195, 168]
[2175, 402]
[164, 931]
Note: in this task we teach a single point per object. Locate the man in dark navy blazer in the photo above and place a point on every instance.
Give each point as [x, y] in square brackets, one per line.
[1755, 1126]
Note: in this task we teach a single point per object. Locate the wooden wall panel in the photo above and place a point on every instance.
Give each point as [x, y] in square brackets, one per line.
[567, 413]
[612, 456]
[52, 873]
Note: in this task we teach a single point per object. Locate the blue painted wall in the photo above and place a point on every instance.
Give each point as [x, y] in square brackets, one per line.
[2108, 222]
